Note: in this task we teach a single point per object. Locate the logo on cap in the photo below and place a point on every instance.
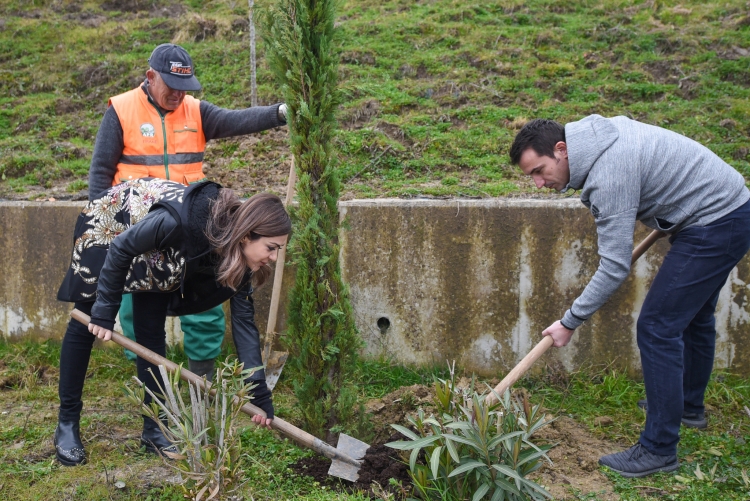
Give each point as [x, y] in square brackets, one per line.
[177, 68]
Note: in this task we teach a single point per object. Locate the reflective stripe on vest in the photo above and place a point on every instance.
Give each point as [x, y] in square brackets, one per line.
[170, 147]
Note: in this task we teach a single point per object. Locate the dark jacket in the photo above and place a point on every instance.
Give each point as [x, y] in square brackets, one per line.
[148, 235]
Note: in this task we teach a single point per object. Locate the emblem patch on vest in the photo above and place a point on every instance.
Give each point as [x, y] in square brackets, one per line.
[148, 130]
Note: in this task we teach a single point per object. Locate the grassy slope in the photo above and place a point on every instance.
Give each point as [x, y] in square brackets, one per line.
[435, 89]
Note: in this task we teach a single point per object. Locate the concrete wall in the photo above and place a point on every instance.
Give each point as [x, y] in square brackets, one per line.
[471, 280]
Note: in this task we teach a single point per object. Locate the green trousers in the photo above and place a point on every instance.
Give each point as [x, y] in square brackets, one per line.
[203, 332]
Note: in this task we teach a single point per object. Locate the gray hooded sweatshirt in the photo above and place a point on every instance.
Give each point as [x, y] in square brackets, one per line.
[629, 171]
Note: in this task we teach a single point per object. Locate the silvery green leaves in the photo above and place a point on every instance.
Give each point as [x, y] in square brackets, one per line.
[471, 451]
[200, 423]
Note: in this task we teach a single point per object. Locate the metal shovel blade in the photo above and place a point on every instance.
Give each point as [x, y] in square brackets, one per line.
[274, 365]
[353, 448]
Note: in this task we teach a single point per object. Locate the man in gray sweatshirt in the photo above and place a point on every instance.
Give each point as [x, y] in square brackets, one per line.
[628, 171]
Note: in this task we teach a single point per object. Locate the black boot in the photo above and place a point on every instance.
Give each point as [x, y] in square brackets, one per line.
[154, 440]
[68, 444]
[202, 368]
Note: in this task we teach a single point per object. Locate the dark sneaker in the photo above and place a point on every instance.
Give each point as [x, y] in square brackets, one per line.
[639, 462]
[694, 420]
[689, 419]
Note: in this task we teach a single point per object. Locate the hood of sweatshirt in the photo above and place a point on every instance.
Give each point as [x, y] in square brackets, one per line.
[587, 139]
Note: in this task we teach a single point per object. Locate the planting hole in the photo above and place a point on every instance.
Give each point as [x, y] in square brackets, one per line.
[383, 324]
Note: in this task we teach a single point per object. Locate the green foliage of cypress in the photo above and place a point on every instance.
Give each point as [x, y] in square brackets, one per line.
[322, 338]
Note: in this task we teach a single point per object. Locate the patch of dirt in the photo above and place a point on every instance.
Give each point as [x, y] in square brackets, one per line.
[663, 71]
[155, 8]
[379, 466]
[13, 380]
[356, 117]
[575, 459]
[65, 150]
[196, 28]
[260, 162]
[67, 105]
[87, 18]
[574, 470]
[358, 58]
[395, 407]
[394, 132]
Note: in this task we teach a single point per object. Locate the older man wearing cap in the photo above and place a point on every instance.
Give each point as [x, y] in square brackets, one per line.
[157, 130]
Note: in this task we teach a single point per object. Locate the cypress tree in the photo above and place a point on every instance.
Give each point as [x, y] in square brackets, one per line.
[322, 339]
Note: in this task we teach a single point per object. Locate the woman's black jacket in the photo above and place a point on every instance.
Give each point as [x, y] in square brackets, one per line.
[160, 246]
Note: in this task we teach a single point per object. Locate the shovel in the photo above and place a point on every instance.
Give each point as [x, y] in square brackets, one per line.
[547, 341]
[346, 457]
[274, 360]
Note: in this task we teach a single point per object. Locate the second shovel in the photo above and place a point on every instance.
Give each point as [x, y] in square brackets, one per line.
[274, 360]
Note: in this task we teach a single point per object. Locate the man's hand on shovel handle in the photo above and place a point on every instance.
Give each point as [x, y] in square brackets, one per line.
[100, 332]
[559, 333]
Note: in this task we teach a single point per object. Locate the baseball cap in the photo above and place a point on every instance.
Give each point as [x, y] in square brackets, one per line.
[175, 66]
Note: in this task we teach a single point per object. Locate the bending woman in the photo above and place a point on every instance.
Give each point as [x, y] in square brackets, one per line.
[178, 250]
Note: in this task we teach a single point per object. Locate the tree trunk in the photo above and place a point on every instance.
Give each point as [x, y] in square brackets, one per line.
[253, 82]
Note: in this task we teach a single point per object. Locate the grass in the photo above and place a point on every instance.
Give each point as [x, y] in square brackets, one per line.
[434, 90]
[713, 461]
[110, 429]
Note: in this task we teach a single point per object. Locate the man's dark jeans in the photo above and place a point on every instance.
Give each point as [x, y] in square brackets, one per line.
[676, 327]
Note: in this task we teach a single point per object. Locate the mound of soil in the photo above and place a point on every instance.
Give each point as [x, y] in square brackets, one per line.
[379, 466]
[575, 456]
[574, 471]
[395, 407]
[574, 462]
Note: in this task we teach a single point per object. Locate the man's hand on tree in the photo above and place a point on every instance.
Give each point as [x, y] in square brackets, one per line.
[282, 112]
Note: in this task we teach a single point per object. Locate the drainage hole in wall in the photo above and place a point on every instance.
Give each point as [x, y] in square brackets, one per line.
[383, 324]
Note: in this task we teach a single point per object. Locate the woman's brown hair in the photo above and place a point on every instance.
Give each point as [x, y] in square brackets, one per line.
[263, 215]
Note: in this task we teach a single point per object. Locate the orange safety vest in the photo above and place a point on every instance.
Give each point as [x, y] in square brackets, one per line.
[169, 146]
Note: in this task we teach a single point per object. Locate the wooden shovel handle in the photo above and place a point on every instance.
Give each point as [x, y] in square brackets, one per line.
[300, 436]
[547, 341]
[642, 247]
[279, 272]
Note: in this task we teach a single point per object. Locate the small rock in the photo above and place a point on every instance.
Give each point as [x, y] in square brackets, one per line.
[603, 421]
[376, 406]
[120, 484]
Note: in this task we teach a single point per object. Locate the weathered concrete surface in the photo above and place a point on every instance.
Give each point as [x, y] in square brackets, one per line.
[478, 281]
[474, 281]
[36, 240]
